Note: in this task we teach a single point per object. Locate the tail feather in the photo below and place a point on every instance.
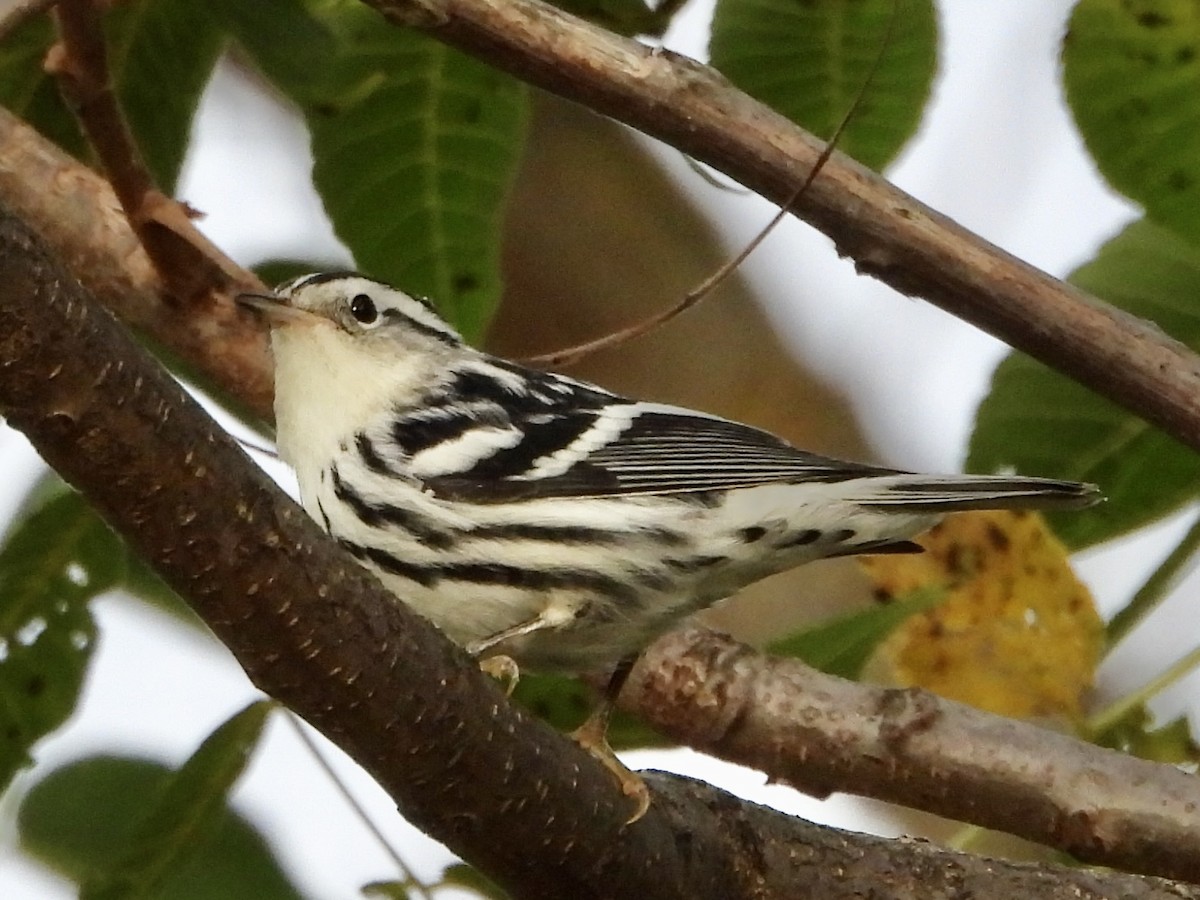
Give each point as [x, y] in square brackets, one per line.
[920, 493]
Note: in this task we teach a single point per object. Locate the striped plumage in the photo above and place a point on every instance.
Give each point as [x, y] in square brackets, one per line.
[548, 519]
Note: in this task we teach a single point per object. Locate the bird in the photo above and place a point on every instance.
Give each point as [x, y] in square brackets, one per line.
[547, 523]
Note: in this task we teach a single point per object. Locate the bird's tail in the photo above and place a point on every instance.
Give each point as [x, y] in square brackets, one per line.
[952, 493]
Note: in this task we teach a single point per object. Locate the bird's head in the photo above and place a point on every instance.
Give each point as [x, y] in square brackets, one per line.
[345, 346]
[366, 312]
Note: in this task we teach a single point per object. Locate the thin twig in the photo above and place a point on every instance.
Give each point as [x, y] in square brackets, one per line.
[888, 233]
[22, 13]
[573, 355]
[191, 267]
[407, 874]
[1155, 590]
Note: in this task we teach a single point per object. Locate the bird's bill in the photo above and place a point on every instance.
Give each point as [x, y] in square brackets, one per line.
[275, 308]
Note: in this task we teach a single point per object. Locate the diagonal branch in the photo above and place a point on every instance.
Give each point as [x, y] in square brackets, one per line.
[313, 629]
[190, 267]
[889, 234]
[76, 211]
[824, 734]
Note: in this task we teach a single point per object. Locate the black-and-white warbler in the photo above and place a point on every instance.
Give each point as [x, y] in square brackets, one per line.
[547, 519]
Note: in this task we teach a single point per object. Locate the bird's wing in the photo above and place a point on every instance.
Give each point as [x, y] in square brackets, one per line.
[628, 448]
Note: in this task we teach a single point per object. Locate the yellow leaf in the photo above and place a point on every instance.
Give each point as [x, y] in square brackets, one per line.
[1018, 634]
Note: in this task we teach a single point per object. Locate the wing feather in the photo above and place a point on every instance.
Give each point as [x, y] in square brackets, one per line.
[646, 449]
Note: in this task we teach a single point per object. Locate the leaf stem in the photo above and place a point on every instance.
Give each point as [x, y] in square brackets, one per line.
[406, 874]
[1155, 590]
[1110, 717]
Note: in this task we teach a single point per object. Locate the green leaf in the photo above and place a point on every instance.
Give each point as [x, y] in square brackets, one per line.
[464, 876]
[283, 38]
[565, 703]
[1132, 75]
[161, 53]
[81, 817]
[1171, 743]
[809, 60]
[842, 646]
[1038, 422]
[52, 563]
[414, 147]
[186, 811]
[27, 91]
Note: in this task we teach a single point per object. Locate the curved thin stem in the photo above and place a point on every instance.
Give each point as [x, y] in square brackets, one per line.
[1156, 588]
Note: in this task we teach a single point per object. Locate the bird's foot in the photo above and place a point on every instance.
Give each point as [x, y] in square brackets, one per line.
[504, 669]
[592, 736]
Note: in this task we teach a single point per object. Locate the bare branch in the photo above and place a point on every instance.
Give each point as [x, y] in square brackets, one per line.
[313, 629]
[889, 234]
[570, 356]
[190, 266]
[76, 212]
[824, 734]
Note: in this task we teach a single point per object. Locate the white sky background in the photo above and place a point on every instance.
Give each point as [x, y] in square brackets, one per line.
[997, 151]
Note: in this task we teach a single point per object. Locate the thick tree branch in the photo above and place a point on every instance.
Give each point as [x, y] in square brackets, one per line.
[313, 629]
[308, 623]
[888, 234]
[191, 268]
[77, 213]
[824, 734]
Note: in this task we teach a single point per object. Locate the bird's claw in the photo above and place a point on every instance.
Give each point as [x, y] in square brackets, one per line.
[504, 669]
[592, 737]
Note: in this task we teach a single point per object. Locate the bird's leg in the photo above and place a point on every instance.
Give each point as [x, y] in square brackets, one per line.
[592, 736]
[503, 667]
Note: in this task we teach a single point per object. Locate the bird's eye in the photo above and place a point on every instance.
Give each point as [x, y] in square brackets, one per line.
[363, 309]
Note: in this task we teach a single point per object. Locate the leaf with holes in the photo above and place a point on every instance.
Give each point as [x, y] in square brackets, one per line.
[809, 61]
[53, 562]
[1017, 634]
[1132, 74]
[1038, 422]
